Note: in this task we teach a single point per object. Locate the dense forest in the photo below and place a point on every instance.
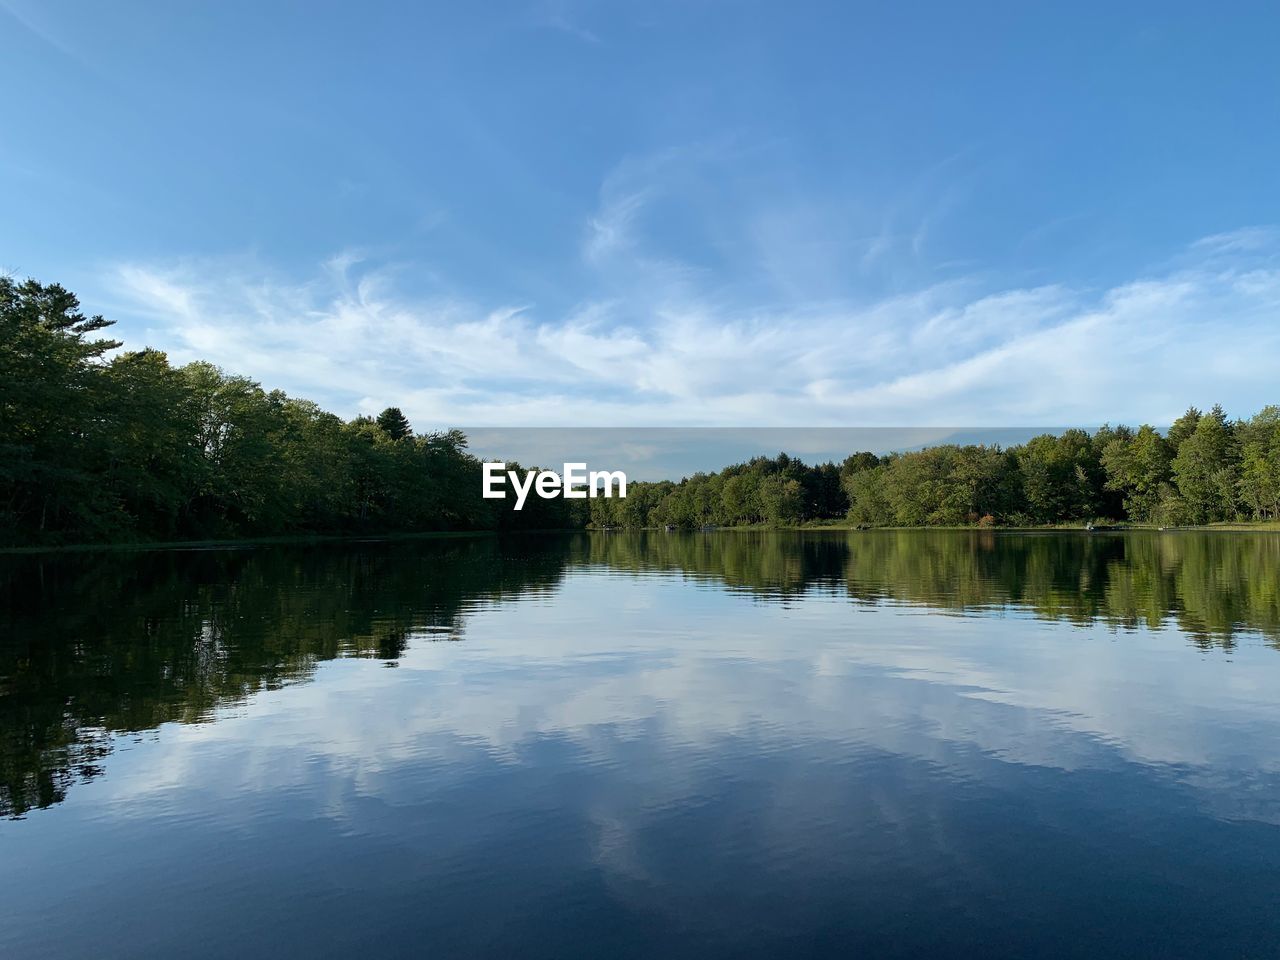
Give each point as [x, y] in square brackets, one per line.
[1204, 469]
[98, 443]
[103, 444]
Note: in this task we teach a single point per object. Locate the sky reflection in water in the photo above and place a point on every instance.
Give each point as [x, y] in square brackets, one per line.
[729, 744]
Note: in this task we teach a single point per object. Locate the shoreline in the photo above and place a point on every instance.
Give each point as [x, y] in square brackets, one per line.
[300, 539]
[1259, 526]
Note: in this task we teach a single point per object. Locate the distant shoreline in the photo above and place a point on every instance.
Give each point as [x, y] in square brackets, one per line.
[1234, 526]
[287, 540]
[1261, 526]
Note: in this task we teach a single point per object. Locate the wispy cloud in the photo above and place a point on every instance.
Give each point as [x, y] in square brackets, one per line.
[36, 27]
[609, 230]
[35, 22]
[1244, 240]
[559, 15]
[952, 353]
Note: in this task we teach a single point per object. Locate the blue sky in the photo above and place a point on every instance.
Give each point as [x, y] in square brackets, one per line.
[655, 213]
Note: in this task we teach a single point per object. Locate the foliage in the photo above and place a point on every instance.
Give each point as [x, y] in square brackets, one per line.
[1206, 469]
[98, 445]
[394, 423]
[95, 447]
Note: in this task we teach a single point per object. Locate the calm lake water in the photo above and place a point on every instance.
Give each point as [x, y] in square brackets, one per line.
[655, 745]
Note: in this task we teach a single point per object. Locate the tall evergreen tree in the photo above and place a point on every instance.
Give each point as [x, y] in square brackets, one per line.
[394, 423]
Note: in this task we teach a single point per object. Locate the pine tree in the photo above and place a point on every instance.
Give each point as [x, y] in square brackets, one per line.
[394, 424]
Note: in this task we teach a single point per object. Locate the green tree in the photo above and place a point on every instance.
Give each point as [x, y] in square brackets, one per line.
[867, 491]
[241, 479]
[1061, 476]
[1182, 428]
[781, 500]
[51, 427]
[1260, 463]
[1137, 466]
[149, 457]
[1206, 469]
[394, 423]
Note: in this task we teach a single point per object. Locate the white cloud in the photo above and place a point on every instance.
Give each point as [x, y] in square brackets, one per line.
[1236, 241]
[667, 353]
[608, 232]
[558, 15]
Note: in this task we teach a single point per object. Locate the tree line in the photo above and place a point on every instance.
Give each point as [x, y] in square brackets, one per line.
[1205, 468]
[98, 444]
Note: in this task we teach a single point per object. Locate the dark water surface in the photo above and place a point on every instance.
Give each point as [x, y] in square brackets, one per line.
[715, 745]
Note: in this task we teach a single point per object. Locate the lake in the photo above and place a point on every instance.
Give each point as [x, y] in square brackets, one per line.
[725, 744]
